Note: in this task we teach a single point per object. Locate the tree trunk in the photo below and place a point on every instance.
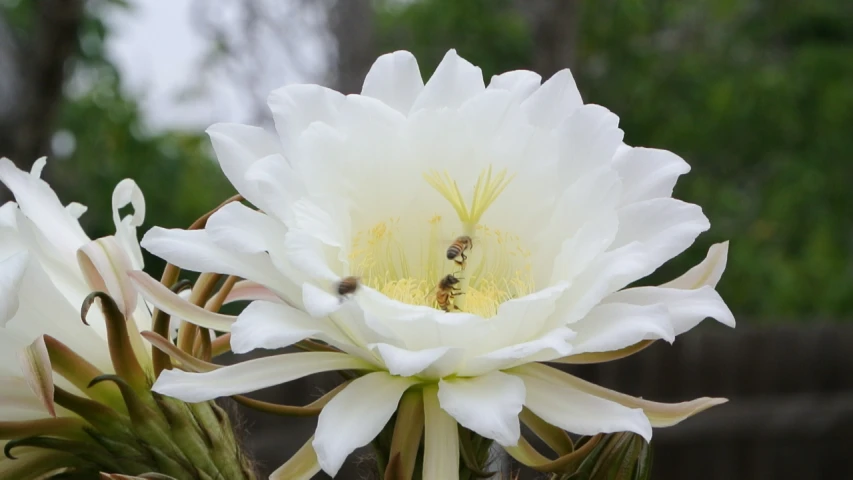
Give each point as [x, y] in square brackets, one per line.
[351, 23]
[554, 26]
[36, 70]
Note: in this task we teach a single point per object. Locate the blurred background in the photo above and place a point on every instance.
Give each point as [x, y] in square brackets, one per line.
[756, 95]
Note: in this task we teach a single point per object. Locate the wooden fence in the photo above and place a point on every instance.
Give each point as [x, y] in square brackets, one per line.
[790, 413]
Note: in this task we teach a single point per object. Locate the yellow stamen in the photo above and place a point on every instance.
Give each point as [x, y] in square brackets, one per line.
[497, 269]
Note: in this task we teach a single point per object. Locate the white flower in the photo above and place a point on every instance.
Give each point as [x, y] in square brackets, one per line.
[48, 266]
[563, 217]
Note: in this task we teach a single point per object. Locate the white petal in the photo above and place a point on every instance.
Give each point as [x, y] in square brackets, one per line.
[276, 325]
[34, 361]
[555, 100]
[18, 399]
[407, 363]
[237, 147]
[658, 414]
[488, 405]
[355, 416]
[441, 440]
[521, 83]
[40, 204]
[127, 192]
[454, 81]
[193, 250]
[708, 272]
[251, 375]
[319, 303]
[38, 167]
[648, 173]
[76, 209]
[238, 228]
[172, 303]
[105, 265]
[395, 79]
[295, 107]
[607, 273]
[12, 272]
[307, 254]
[665, 227]
[578, 251]
[277, 185]
[249, 290]
[570, 409]
[588, 138]
[554, 344]
[686, 307]
[617, 325]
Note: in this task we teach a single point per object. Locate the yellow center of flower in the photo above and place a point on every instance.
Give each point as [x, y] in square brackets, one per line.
[406, 261]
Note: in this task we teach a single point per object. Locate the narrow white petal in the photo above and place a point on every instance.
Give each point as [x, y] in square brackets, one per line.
[555, 100]
[277, 325]
[578, 412]
[35, 365]
[521, 83]
[686, 307]
[659, 414]
[394, 79]
[648, 173]
[12, 272]
[454, 81]
[441, 440]
[612, 326]
[249, 290]
[355, 416]
[193, 250]
[252, 375]
[128, 193]
[76, 209]
[708, 272]
[488, 405]
[105, 266]
[171, 303]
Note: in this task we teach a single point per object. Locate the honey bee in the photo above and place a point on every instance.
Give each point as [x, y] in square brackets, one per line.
[446, 290]
[458, 248]
[347, 286]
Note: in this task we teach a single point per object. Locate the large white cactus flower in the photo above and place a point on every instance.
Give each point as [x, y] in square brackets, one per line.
[562, 216]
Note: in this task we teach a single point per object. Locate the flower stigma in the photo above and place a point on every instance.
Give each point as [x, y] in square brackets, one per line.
[405, 261]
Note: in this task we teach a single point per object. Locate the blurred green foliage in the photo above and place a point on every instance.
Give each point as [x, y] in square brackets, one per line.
[756, 96]
[175, 170]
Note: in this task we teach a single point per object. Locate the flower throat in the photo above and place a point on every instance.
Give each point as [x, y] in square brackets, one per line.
[497, 267]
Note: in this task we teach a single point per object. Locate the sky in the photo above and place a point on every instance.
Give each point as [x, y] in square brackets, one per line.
[160, 52]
